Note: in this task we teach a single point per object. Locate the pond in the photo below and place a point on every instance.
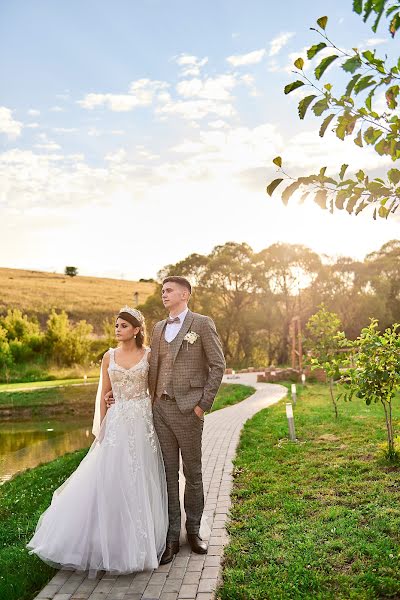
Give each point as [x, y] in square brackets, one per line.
[26, 444]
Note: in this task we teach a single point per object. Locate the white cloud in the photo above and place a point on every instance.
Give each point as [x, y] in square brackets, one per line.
[48, 146]
[218, 124]
[32, 125]
[57, 109]
[116, 157]
[65, 129]
[279, 42]
[141, 93]
[196, 109]
[251, 58]
[375, 41]
[8, 124]
[33, 112]
[190, 65]
[217, 88]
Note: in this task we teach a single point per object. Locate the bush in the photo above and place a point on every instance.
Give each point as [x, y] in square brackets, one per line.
[66, 343]
[23, 334]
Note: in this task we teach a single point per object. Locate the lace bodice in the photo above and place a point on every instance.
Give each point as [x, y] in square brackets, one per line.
[129, 384]
[132, 405]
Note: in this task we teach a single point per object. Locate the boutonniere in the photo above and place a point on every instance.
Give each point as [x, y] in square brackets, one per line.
[190, 338]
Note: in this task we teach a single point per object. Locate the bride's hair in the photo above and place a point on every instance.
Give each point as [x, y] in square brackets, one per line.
[135, 323]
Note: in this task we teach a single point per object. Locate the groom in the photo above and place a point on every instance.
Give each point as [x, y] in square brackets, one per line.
[186, 369]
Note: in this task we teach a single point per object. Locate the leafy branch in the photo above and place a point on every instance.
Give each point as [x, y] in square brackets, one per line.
[367, 127]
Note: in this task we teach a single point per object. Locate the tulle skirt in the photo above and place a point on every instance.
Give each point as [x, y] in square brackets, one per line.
[111, 514]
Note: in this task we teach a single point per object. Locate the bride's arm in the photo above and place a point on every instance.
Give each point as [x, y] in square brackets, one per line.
[106, 385]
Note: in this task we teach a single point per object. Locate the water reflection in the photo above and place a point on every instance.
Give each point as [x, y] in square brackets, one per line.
[26, 444]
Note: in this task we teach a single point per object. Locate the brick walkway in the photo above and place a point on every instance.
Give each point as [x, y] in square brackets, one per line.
[189, 576]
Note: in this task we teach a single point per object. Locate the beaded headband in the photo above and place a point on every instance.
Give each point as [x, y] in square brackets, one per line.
[134, 312]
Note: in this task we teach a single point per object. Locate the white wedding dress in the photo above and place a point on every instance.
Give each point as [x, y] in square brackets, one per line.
[111, 514]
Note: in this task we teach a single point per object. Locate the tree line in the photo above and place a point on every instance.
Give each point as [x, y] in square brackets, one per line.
[253, 296]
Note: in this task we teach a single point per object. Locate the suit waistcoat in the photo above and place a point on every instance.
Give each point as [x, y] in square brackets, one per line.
[165, 366]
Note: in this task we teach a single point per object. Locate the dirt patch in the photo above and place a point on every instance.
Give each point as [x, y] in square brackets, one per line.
[328, 437]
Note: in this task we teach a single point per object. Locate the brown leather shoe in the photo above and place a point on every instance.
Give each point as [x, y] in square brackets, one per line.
[196, 543]
[171, 549]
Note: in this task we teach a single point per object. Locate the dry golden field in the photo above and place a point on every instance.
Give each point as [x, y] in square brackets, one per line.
[90, 298]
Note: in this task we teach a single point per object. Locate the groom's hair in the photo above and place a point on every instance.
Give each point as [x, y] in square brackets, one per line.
[178, 279]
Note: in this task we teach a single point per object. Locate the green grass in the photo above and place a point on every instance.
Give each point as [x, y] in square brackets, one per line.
[22, 500]
[67, 399]
[318, 519]
[10, 387]
[231, 393]
[81, 398]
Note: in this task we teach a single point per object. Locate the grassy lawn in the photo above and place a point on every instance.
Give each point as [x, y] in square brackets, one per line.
[67, 399]
[231, 393]
[317, 519]
[43, 401]
[15, 387]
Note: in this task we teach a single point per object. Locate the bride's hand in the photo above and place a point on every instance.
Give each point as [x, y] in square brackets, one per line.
[109, 399]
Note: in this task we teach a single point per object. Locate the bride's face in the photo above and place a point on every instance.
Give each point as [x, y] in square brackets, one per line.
[125, 331]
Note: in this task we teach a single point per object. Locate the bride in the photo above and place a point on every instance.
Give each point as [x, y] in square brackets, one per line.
[111, 514]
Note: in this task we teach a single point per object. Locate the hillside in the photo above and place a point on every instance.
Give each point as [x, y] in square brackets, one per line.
[90, 298]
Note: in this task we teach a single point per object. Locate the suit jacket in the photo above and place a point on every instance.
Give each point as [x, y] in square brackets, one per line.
[198, 368]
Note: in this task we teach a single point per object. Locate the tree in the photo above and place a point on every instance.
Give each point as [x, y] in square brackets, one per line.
[67, 344]
[351, 113]
[375, 376]
[324, 342]
[285, 269]
[24, 336]
[6, 358]
[71, 271]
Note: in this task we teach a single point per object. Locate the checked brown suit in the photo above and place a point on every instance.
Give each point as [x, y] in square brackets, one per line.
[192, 374]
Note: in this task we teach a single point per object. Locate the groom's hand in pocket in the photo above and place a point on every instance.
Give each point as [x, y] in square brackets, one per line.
[109, 399]
[199, 412]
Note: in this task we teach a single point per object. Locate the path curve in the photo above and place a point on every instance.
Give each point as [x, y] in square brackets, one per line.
[189, 576]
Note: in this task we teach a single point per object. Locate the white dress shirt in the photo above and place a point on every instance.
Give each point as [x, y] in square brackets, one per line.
[172, 329]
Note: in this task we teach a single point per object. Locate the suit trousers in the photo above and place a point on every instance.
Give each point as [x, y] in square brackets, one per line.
[177, 431]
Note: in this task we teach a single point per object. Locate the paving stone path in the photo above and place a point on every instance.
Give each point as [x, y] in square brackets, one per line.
[189, 576]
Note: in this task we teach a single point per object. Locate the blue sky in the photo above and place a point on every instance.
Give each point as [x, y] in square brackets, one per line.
[134, 133]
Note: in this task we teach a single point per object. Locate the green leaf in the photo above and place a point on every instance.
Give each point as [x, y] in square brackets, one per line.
[320, 106]
[352, 64]
[290, 190]
[358, 139]
[293, 86]
[342, 171]
[351, 84]
[273, 185]
[311, 52]
[322, 22]
[368, 99]
[394, 24]
[371, 135]
[363, 83]
[360, 175]
[277, 161]
[346, 123]
[394, 176]
[320, 198]
[391, 95]
[299, 63]
[357, 6]
[325, 124]
[382, 147]
[324, 64]
[304, 104]
[383, 212]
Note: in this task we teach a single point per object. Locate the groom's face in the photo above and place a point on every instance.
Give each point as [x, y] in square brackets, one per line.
[173, 295]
